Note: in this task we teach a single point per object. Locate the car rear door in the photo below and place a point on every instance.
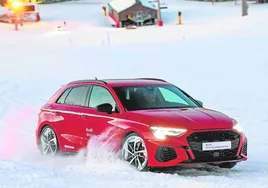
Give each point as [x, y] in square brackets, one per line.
[68, 120]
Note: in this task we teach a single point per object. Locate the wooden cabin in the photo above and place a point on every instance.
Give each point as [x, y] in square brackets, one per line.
[139, 11]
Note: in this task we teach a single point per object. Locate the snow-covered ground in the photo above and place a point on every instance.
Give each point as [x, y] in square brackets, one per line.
[217, 55]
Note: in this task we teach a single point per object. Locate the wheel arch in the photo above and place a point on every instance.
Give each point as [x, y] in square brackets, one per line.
[125, 135]
[128, 132]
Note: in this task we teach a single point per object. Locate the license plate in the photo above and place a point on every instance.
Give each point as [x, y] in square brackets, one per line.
[208, 146]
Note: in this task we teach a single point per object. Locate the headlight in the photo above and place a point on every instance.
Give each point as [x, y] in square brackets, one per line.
[16, 5]
[238, 128]
[163, 132]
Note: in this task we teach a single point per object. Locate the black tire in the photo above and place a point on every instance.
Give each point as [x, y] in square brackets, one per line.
[37, 19]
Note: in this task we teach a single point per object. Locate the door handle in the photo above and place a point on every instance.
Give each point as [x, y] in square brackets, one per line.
[84, 116]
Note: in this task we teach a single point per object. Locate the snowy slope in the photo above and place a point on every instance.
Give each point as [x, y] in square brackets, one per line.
[217, 56]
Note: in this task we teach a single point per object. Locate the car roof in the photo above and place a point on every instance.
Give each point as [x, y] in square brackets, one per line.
[121, 82]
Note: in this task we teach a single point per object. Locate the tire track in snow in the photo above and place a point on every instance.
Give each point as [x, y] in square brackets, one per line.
[10, 94]
[18, 113]
[14, 139]
[5, 88]
[24, 102]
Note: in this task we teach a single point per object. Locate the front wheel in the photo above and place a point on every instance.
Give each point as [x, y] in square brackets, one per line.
[134, 152]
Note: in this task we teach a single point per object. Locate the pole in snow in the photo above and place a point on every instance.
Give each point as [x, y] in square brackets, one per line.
[16, 26]
[16, 22]
[179, 17]
[244, 8]
[16, 8]
[160, 22]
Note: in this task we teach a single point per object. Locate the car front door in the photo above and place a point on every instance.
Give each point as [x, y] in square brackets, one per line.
[95, 122]
[68, 119]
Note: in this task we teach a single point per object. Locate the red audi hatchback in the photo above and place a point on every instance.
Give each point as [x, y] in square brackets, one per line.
[155, 123]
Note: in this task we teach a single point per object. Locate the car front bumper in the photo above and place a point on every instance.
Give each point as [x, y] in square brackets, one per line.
[187, 149]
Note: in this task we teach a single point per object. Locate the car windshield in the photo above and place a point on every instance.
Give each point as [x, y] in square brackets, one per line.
[153, 97]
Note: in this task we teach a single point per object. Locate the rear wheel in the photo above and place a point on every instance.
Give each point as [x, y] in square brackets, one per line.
[134, 152]
[38, 17]
[48, 142]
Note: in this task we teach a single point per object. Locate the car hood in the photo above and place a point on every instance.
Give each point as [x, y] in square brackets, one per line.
[189, 118]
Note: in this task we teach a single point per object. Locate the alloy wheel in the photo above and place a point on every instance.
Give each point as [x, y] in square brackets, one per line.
[135, 153]
[48, 142]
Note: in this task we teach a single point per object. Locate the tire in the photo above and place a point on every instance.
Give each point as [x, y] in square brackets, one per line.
[227, 165]
[37, 19]
[48, 142]
[134, 152]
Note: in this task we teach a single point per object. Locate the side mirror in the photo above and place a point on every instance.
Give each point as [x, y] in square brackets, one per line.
[199, 102]
[105, 107]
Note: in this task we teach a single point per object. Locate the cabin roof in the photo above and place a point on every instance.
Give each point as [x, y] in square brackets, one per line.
[121, 5]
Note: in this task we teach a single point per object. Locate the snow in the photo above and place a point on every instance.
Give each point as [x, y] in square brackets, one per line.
[120, 5]
[216, 55]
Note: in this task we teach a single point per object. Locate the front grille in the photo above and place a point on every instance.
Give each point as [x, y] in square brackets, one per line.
[164, 154]
[245, 148]
[196, 139]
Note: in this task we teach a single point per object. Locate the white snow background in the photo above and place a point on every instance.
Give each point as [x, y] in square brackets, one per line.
[216, 55]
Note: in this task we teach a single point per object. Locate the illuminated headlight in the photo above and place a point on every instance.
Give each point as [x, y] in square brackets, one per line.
[238, 128]
[16, 5]
[163, 132]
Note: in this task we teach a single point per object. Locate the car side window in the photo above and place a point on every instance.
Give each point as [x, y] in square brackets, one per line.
[100, 95]
[62, 98]
[77, 96]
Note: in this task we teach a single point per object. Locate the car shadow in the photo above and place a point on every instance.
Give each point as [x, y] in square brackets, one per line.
[204, 170]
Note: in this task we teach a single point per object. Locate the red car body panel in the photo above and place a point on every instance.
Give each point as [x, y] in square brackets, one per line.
[74, 125]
